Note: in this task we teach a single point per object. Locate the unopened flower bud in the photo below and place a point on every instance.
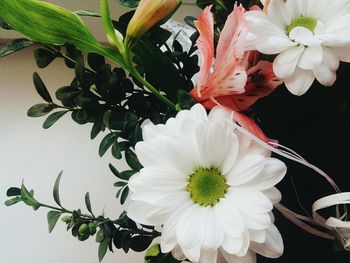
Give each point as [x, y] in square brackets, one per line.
[148, 13]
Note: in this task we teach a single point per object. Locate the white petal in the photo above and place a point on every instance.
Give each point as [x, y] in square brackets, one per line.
[338, 32]
[294, 7]
[249, 201]
[230, 218]
[271, 45]
[272, 247]
[178, 253]
[193, 253]
[258, 236]
[324, 75]
[272, 173]
[250, 257]
[208, 256]
[168, 150]
[311, 57]
[300, 81]
[342, 52]
[303, 36]
[278, 13]
[247, 167]
[330, 59]
[285, 63]
[232, 245]
[147, 214]
[273, 194]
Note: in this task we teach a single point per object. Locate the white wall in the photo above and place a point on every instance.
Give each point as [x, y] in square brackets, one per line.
[36, 155]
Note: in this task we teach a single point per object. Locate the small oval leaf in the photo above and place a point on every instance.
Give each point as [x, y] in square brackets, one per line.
[40, 110]
[41, 88]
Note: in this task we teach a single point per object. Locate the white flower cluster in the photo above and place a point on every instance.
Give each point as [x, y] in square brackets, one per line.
[309, 36]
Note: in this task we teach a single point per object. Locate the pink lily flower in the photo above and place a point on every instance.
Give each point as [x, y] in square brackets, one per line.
[238, 78]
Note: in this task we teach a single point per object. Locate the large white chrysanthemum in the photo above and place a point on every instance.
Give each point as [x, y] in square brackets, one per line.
[310, 36]
[210, 189]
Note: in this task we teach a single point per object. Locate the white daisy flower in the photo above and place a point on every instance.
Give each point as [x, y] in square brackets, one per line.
[310, 36]
[211, 190]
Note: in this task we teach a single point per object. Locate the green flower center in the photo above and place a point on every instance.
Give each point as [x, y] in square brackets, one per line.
[207, 186]
[307, 22]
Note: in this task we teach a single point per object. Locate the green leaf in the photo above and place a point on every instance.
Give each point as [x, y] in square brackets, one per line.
[40, 109]
[96, 61]
[52, 218]
[95, 130]
[56, 189]
[120, 184]
[107, 142]
[87, 13]
[116, 150]
[106, 118]
[88, 202]
[51, 120]
[132, 160]
[114, 170]
[13, 191]
[189, 20]
[130, 121]
[13, 201]
[66, 93]
[53, 25]
[129, 3]
[102, 249]
[43, 57]
[41, 88]
[125, 175]
[14, 46]
[28, 199]
[124, 195]
[159, 68]
[140, 243]
[100, 236]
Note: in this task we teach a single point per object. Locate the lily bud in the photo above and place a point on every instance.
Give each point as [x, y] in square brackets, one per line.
[148, 13]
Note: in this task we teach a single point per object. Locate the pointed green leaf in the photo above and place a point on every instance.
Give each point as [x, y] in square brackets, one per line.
[114, 170]
[28, 199]
[116, 150]
[52, 218]
[56, 189]
[132, 160]
[13, 191]
[15, 45]
[44, 57]
[51, 120]
[106, 118]
[40, 109]
[88, 202]
[107, 142]
[51, 24]
[13, 201]
[102, 249]
[129, 3]
[41, 88]
[95, 130]
[124, 195]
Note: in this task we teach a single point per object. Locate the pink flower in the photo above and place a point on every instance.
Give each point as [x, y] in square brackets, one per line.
[238, 78]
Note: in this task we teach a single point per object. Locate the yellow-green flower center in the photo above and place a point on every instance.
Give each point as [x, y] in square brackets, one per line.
[307, 22]
[207, 186]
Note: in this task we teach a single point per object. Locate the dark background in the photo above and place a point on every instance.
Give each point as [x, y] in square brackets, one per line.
[317, 126]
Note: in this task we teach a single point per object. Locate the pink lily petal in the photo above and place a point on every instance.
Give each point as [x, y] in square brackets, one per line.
[250, 126]
[205, 44]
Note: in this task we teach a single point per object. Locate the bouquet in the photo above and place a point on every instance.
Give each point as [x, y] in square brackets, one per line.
[211, 119]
